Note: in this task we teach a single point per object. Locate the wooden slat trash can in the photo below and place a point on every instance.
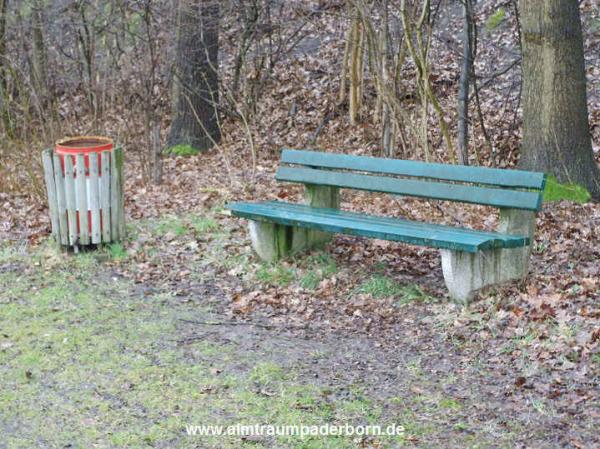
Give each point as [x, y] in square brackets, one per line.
[85, 196]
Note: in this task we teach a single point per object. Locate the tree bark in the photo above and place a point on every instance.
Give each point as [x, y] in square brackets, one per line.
[196, 90]
[465, 83]
[4, 97]
[39, 60]
[556, 136]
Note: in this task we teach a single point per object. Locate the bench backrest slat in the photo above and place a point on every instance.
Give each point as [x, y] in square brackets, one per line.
[445, 172]
[477, 185]
[410, 187]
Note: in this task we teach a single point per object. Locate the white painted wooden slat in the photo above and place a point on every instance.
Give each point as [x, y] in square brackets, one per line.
[114, 197]
[71, 204]
[94, 199]
[82, 203]
[61, 200]
[51, 189]
[105, 195]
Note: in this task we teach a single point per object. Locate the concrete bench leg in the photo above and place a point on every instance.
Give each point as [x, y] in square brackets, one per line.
[273, 241]
[465, 273]
[320, 196]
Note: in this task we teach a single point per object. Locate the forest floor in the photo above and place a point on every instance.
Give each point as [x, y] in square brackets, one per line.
[182, 325]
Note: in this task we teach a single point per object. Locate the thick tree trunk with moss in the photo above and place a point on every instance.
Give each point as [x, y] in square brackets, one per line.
[196, 89]
[556, 136]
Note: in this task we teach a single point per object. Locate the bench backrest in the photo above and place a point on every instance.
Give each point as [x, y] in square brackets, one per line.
[516, 189]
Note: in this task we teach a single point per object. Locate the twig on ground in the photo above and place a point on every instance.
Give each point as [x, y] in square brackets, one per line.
[241, 323]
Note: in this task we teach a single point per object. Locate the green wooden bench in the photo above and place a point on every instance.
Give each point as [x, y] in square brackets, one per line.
[471, 259]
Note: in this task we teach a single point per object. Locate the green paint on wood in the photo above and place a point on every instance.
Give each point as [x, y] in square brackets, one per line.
[417, 188]
[444, 172]
[336, 221]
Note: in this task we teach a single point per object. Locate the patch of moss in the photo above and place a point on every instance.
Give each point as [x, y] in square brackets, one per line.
[182, 150]
[555, 191]
[495, 19]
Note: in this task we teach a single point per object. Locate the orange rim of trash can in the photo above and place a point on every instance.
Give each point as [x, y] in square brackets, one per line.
[83, 144]
[72, 146]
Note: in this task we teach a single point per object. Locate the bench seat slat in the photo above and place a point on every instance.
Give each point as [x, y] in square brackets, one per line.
[459, 232]
[417, 188]
[336, 221]
[444, 172]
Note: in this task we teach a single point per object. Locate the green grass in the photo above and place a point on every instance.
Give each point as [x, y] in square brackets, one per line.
[86, 361]
[555, 191]
[310, 280]
[276, 274]
[308, 271]
[267, 373]
[380, 286]
[203, 225]
[178, 226]
[319, 266]
[116, 251]
[450, 404]
[413, 293]
[182, 150]
[171, 225]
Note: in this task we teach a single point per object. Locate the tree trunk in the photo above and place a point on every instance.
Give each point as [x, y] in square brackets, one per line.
[156, 152]
[464, 86]
[196, 90]
[556, 136]
[39, 60]
[4, 97]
